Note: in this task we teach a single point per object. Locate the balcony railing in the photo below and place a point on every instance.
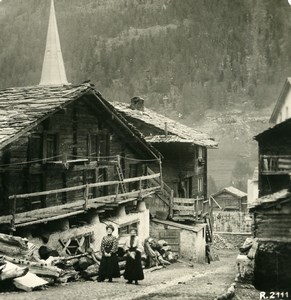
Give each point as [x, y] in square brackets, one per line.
[275, 164]
[115, 196]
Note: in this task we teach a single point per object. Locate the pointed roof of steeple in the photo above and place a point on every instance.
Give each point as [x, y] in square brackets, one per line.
[53, 68]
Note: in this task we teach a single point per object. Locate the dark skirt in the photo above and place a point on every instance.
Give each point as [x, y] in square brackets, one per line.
[133, 268]
[109, 267]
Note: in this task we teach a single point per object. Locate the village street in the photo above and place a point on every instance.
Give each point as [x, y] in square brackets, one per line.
[178, 281]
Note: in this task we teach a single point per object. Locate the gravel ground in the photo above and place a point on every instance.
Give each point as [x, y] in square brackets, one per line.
[178, 281]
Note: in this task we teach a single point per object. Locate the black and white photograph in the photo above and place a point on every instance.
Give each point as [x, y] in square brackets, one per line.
[145, 149]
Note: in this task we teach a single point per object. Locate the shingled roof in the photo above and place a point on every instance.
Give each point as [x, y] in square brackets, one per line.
[22, 108]
[177, 132]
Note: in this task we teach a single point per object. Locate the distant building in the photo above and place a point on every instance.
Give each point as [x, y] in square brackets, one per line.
[253, 187]
[229, 211]
[282, 109]
[230, 199]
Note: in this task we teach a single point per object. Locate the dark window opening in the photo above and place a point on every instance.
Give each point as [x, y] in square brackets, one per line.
[34, 147]
[51, 144]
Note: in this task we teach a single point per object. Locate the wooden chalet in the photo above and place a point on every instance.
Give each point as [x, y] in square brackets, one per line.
[272, 210]
[184, 152]
[65, 151]
[229, 199]
[70, 163]
[274, 158]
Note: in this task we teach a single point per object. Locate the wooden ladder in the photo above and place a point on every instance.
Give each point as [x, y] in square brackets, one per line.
[120, 174]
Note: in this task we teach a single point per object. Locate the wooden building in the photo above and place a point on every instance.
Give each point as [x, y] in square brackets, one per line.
[65, 151]
[229, 199]
[272, 210]
[272, 228]
[282, 109]
[69, 162]
[184, 152]
[274, 158]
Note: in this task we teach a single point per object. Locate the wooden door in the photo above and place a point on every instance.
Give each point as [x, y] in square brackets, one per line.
[172, 237]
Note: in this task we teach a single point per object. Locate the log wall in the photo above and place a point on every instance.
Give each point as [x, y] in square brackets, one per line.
[72, 127]
[274, 223]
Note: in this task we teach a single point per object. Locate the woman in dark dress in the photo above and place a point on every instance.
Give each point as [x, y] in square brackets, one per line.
[133, 268]
[109, 264]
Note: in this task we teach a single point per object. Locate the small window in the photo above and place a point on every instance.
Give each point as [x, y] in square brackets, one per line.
[287, 112]
[104, 145]
[200, 152]
[51, 145]
[34, 148]
[125, 229]
[93, 146]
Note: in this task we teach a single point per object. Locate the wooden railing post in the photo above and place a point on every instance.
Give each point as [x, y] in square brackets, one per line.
[196, 209]
[171, 203]
[116, 191]
[161, 174]
[86, 195]
[13, 214]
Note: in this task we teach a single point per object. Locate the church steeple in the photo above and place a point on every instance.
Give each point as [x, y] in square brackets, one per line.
[53, 68]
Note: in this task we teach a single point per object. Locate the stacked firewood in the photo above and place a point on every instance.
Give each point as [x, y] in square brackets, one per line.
[27, 267]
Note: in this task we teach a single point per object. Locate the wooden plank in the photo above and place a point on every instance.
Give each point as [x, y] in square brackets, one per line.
[45, 193]
[183, 207]
[50, 219]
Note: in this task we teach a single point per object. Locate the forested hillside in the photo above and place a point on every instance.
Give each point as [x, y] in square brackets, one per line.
[203, 53]
[197, 55]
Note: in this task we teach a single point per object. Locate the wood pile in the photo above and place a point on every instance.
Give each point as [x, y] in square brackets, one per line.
[23, 267]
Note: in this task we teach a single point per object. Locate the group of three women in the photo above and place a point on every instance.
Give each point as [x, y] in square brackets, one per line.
[109, 263]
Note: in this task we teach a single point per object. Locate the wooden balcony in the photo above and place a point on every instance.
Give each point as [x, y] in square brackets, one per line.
[114, 198]
[188, 208]
[275, 164]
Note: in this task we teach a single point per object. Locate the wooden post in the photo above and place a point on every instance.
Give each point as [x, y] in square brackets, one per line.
[116, 191]
[161, 174]
[86, 194]
[171, 203]
[140, 187]
[13, 214]
[196, 210]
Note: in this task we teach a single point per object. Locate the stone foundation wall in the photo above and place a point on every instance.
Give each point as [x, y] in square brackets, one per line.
[235, 239]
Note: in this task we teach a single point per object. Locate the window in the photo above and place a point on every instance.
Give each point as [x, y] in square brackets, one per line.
[34, 147]
[93, 146]
[200, 184]
[125, 229]
[200, 152]
[104, 145]
[51, 142]
[287, 112]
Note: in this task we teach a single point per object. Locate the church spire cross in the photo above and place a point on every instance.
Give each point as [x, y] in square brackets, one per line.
[53, 68]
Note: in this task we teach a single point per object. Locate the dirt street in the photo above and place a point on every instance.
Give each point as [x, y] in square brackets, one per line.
[178, 281]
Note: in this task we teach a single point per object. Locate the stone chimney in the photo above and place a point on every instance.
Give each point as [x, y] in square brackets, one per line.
[137, 103]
